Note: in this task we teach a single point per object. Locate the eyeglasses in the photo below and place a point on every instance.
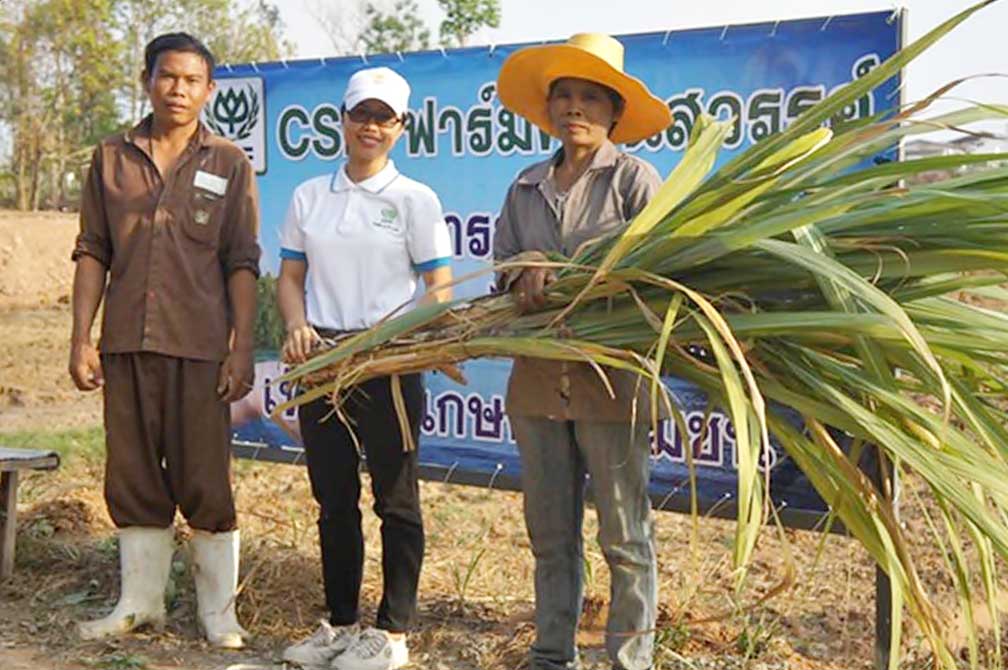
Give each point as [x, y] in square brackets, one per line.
[385, 118]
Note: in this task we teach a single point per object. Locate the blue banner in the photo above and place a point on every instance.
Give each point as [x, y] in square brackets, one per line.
[464, 145]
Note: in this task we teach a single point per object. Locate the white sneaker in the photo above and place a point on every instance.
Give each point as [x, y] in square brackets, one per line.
[322, 646]
[374, 649]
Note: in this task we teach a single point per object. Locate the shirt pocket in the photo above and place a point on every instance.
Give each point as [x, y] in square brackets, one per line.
[607, 223]
[203, 217]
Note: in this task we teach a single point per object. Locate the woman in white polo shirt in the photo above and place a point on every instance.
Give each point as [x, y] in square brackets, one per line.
[354, 244]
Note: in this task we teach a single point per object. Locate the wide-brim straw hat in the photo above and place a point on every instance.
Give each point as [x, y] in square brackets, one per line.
[525, 77]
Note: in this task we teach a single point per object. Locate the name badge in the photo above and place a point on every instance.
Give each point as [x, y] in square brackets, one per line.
[210, 182]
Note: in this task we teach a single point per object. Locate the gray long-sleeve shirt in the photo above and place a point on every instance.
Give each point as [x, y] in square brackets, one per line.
[536, 217]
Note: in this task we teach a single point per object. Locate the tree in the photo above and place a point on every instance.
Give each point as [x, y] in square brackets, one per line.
[70, 75]
[399, 30]
[376, 27]
[59, 56]
[249, 34]
[342, 22]
[464, 17]
[234, 32]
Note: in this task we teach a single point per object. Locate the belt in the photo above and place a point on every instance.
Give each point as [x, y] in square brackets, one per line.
[331, 336]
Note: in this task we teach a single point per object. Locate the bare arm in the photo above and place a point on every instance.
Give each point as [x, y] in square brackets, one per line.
[238, 372]
[291, 301]
[92, 254]
[88, 288]
[436, 281]
[242, 293]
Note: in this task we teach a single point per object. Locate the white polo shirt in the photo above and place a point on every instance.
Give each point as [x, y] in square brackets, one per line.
[365, 244]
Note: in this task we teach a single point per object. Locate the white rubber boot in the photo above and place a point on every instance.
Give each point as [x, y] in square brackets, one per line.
[215, 571]
[145, 556]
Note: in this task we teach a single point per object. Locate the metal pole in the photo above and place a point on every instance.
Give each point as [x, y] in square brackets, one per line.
[884, 477]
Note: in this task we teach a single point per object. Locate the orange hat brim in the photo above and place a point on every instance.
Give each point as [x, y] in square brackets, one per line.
[524, 80]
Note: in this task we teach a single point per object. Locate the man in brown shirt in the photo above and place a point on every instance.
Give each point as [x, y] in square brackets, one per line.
[169, 218]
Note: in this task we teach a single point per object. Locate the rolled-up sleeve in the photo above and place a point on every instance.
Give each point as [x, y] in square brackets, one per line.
[93, 239]
[240, 249]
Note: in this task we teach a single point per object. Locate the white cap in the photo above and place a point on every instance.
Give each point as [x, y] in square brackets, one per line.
[379, 83]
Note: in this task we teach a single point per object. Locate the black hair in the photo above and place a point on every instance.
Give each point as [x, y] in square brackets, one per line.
[617, 100]
[176, 42]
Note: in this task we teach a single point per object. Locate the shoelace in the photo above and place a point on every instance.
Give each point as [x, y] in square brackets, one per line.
[370, 643]
[323, 636]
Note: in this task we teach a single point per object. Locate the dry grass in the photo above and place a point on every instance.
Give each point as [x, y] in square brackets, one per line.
[476, 594]
[476, 590]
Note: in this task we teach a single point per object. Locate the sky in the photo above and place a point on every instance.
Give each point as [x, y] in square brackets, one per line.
[976, 47]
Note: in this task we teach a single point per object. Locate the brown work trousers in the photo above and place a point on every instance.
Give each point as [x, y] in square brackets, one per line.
[167, 441]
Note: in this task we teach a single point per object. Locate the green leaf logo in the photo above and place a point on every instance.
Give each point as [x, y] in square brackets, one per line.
[234, 113]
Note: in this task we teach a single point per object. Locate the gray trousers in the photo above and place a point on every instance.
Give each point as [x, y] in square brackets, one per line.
[555, 456]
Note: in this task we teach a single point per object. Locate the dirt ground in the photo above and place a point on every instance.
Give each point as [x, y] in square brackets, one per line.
[35, 282]
[476, 590]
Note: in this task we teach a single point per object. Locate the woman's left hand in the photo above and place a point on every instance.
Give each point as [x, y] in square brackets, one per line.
[301, 339]
[530, 288]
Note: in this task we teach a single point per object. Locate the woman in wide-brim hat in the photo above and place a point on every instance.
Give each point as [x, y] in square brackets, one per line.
[565, 421]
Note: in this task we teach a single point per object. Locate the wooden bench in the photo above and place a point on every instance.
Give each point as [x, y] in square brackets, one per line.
[12, 461]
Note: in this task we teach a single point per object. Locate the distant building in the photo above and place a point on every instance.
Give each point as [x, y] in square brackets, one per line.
[985, 143]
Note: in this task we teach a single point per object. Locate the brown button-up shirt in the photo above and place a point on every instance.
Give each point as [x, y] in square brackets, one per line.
[535, 217]
[169, 243]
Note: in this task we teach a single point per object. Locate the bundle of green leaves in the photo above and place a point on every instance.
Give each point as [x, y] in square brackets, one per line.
[814, 279]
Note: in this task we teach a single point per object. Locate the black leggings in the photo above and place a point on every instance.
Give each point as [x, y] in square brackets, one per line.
[333, 468]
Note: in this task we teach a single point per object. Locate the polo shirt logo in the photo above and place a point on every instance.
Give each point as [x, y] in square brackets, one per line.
[387, 220]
